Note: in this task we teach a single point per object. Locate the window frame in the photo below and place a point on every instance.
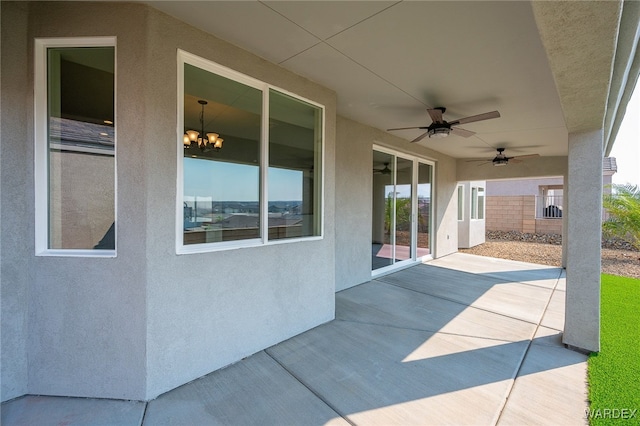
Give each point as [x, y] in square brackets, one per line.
[184, 57]
[481, 211]
[460, 194]
[41, 147]
[475, 196]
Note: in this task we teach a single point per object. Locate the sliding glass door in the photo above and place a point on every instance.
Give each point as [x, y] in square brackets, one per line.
[402, 196]
[423, 223]
[402, 210]
[384, 166]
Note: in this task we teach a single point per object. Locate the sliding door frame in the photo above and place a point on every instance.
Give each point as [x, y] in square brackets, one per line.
[414, 259]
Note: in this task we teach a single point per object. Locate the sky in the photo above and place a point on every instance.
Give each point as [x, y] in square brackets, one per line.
[626, 147]
[238, 182]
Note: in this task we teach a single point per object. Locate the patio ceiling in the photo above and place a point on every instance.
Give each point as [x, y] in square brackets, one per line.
[390, 61]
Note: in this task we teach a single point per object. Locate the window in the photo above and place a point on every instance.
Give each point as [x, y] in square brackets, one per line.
[75, 169]
[460, 202]
[263, 181]
[295, 141]
[477, 203]
[401, 220]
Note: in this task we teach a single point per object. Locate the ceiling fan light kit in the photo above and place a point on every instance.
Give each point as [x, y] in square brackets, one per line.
[440, 128]
[439, 132]
[502, 160]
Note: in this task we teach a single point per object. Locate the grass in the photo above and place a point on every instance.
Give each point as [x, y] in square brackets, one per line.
[614, 372]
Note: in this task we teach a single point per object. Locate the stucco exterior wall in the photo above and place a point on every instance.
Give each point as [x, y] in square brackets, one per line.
[16, 219]
[354, 146]
[135, 326]
[87, 326]
[520, 186]
[354, 153]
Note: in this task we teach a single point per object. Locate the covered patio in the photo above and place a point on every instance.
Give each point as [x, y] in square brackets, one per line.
[460, 340]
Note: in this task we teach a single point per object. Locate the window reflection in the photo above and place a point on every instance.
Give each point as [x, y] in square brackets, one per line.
[223, 186]
[294, 167]
[221, 195]
[425, 173]
[81, 142]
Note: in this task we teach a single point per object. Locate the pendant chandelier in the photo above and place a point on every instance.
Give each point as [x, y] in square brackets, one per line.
[205, 141]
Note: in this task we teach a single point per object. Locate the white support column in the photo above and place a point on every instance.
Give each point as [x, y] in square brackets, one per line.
[584, 230]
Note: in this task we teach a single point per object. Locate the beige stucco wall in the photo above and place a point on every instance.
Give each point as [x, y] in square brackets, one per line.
[16, 219]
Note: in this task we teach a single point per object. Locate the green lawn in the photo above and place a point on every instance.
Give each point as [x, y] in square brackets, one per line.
[614, 372]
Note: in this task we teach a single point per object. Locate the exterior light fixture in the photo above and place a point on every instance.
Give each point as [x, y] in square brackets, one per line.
[205, 141]
[439, 132]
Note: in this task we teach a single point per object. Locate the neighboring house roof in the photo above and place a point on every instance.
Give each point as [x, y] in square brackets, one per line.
[609, 165]
[241, 221]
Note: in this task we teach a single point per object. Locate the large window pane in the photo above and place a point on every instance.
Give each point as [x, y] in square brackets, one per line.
[480, 203]
[221, 195]
[425, 172]
[382, 210]
[474, 203]
[80, 148]
[295, 141]
[231, 189]
[404, 179]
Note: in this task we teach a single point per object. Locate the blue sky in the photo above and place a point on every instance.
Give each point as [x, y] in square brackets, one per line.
[238, 182]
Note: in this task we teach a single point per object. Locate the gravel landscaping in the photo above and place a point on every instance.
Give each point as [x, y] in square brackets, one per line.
[618, 257]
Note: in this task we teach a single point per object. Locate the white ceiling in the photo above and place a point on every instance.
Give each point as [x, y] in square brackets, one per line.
[390, 61]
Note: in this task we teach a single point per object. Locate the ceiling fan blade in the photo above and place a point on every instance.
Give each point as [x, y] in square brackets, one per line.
[419, 138]
[406, 128]
[521, 157]
[471, 161]
[462, 132]
[436, 115]
[486, 162]
[479, 117]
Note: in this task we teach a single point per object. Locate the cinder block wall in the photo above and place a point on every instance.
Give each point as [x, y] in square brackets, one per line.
[549, 226]
[518, 213]
[506, 213]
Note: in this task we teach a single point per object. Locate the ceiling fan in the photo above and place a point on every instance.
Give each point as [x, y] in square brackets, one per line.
[440, 128]
[385, 171]
[502, 160]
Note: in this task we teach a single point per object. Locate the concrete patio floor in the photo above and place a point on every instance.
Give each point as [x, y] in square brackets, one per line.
[461, 340]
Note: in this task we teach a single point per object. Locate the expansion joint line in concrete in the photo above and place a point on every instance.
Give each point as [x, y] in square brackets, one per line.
[144, 414]
[320, 397]
[526, 352]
